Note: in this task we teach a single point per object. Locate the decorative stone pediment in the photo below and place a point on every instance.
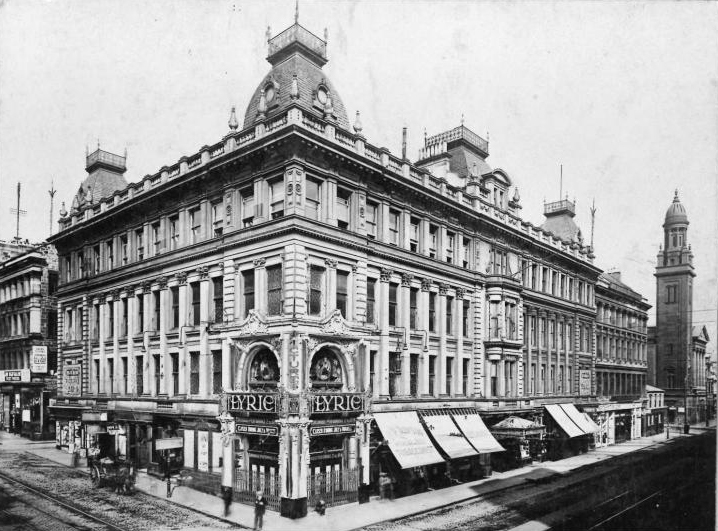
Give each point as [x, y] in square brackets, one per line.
[254, 324]
[335, 324]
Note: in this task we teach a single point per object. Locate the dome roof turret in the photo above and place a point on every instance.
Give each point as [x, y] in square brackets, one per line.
[676, 213]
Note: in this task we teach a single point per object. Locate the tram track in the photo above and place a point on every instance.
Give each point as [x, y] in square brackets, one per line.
[102, 524]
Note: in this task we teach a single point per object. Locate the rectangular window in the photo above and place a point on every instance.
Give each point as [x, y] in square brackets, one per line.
[392, 303]
[343, 293]
[414, 235]
[465, 253]
[248, 210]
[110, 319]
[124, 247]
[111, 375]
[139, 244]
[194, 373]
[371, 215]
[372, 370]
[218, 299]
[156, 308]
[343, 208]
[494, 378]
[174, 232]
[156, 362]
[195, 225]
[371, 300]
[544, 278]
[68, 269]
[140, 314]
[96, 367]
[174, 295]
[670, 294]
[465, 319]
[156, 238]
[552, 333]
[80, 268]
[123, 322]
[217, 218]
[248, 290]
[449, 315]
[433, 240]
[95, 322]
[316, 287]
[554, 282]
[109, 255]
[216, 372]
[195, 308]
[276, 198]
[394, 227]
[432, 311]
[274, 290]
[413, 310]
[312, 199]
[139, 375]
[465, 377]
[175, 373]
[432, 375]
[542, 324]
[449, 257]
[123, 383]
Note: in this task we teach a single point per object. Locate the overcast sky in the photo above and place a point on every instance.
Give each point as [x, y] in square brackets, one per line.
[623, 94]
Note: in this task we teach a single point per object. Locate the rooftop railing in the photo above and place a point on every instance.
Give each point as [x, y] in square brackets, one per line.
[297, 33]
[557, 206]
[459, 133]
[106, 157]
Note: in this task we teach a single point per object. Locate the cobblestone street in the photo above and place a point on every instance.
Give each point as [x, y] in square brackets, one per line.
[136, 512]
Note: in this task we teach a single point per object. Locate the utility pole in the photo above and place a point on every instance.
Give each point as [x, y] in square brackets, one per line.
[593, 220]
[52, 192]
[18, 212]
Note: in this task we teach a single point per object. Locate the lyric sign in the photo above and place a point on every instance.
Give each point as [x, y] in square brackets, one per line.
[253, 402]
[336, 403]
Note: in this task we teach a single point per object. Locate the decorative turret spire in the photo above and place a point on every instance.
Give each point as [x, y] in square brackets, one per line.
[63, 210]
[357, 124]
[517, 197]
[262, 106]
[296, 12]
[294, 92]
[233, 124]
[269, 33]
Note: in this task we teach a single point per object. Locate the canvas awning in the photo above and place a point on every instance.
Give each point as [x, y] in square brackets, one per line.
[477, 433]
[448, 436]
[578, 418]
[563, 419]
[517, 427]
[592, 425]
[407, 439]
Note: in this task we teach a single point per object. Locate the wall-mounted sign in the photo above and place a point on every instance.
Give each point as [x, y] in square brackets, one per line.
[584, 382]
[113, 429]
[203, 451]
[38, 359]
[94, 416]
[168, 444]
[72, 379]
[26, 415]
[17, 375]
[254, 429]
[332, 429]
[336, 402]
[253, 402]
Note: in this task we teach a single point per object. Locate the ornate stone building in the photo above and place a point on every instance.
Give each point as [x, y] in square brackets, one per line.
[279, 305]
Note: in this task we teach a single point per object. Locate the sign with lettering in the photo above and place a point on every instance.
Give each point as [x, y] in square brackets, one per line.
[38, 359]
[72, 380]
[584, 382]
[168, 444]
[336, 403]
[332, 429]
[203, 451]
[17, 375]
[253, 402]
[254, 429]
[113, 429]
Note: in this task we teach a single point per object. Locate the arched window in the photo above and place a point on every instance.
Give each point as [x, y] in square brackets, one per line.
[264, 370]
[325, 372]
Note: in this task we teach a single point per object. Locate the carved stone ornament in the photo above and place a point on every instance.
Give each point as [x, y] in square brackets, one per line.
[162, 281]
[259, 262]
[298, 188]
[203, 272]
[361, 212]
[443, 288]
[182, 278]
[228, 213]
[331, 263]
[226, 422]
[385, 274]
[460, 292]
[406, 279]
[116, 295]
[253, 325]
[101, 298]
[147, 286]
[336, 324]
[425, 284]
[355, 268]
[290, 189]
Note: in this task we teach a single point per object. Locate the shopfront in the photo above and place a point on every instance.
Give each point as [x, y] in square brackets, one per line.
[524, 442]
[569, 432]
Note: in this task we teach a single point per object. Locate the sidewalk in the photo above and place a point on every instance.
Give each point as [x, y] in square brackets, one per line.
[354, 516]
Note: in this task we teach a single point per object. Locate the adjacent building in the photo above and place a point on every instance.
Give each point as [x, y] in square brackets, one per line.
[295, 309]
[679, 357]
[28, 333]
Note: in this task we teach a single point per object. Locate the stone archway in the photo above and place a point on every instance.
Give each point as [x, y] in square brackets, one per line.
[330, 366]
[256, 365]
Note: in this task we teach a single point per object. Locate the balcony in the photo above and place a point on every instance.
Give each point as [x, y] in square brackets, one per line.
[564, 205]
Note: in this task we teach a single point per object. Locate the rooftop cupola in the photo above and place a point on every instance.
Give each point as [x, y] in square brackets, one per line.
[105, 176]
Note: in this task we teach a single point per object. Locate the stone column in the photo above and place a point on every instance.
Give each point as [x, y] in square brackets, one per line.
[164, 304]
[205, 358]
[131, 326]
[404, 311]
[458, 326]
[331, 292]
[227, 367]
[116, 307]
[441, 329]
[260, 286]
[423, 317]
[363, 427]
[100, 378]
[183, 355]
[383, 305]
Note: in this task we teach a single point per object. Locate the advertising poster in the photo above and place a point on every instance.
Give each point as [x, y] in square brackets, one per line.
[584, 382]
[72, 379]
[203, 451]
[38, 359]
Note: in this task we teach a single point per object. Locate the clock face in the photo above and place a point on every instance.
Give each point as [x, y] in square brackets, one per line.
[269, 93]
[322, 95]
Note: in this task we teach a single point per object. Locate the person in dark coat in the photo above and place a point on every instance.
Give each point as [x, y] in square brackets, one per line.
[260, 505]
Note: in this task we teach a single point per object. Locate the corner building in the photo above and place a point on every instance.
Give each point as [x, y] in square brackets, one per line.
[283, 299]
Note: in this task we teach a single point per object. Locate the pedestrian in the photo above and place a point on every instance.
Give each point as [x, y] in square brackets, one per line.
[259, 505]
[227, 498]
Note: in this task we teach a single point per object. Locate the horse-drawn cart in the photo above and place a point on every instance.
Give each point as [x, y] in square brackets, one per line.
[120, 475]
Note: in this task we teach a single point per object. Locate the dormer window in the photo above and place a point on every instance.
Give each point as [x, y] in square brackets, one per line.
[269, 93]
[322, 95]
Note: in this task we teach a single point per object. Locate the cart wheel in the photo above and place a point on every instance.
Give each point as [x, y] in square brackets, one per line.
[95, 476]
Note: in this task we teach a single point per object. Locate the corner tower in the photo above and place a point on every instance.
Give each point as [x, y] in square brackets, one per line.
[674, 300]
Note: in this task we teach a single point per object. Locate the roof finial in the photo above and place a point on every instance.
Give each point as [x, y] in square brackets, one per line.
[675, 197]
[269, 33]
[326, 35]
[425, 137]
[296, 12]
[261, 106]
[233, 124]
[294, 91]
[357, 125]
[462, 118]
[403, 143]
[98, 143]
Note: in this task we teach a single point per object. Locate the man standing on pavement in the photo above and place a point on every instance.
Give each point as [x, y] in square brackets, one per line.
[259, 505]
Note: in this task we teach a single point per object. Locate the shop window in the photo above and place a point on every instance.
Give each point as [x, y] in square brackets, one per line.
[312, 196]
[274, 290]
[194, 373]
[343, 208]
[342, 294]
[264, 370]
[218, 299]
[139, 375]
[248, 290]
[413, 310]
[216, 372]
[325, 371]
[195, 307]
[371, 300]
[392, 303]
